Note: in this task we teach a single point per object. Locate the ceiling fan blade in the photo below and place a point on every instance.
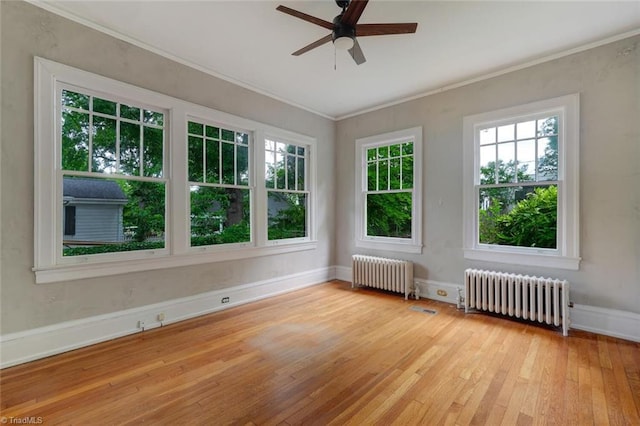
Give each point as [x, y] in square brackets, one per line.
[384, 29]
[313, 45]
[325, 24]
[353, 12]
[356, 53]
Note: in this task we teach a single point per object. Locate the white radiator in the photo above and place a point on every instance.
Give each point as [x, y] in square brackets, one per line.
[386, 274]
[545, 300]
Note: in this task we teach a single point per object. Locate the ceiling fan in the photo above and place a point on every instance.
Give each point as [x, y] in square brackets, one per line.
[345, 28]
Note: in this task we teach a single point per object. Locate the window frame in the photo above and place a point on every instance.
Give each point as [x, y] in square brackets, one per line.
[49, 78]
[566, 254]
[402, 245]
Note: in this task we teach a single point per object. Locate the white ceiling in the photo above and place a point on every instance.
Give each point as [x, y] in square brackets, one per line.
[250, 43]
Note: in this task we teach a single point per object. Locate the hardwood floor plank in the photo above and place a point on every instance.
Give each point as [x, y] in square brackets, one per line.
[330, 354]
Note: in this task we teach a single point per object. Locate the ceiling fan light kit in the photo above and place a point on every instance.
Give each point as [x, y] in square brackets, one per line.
[345, 28]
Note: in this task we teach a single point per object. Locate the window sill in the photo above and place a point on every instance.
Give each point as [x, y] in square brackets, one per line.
[390, 246]
[103, 269]
[526, 259]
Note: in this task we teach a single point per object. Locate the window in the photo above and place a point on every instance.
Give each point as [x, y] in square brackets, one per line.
[111, 166]
[287, 194]
[389, 206]
[521, 177]
[128, 180]
[220, 195]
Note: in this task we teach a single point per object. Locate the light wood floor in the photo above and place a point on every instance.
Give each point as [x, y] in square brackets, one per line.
[333, 355]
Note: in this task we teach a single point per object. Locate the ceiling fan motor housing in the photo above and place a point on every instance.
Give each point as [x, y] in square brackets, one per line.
[342, 30]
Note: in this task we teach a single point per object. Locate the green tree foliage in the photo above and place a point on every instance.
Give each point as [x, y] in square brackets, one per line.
[389, 214]
[390, 168]
[531, 223]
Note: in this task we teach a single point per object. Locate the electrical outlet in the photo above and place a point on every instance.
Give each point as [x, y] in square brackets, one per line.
[141, 324]
[442, 293]
[225, 300]
[161, 316]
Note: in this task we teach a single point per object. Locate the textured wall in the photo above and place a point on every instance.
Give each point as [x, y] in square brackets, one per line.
[28, 31]
[608, 79]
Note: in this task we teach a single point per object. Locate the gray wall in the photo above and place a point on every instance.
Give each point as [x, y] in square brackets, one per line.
[608, 79]
[28, 31]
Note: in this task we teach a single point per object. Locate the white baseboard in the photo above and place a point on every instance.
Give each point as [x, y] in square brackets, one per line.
[343, 273]
[25, 346]
[29, 345]
[610, 322]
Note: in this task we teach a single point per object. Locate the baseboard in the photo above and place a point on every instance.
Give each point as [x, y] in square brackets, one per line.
[343, 273]
[21, 347]
[610, 322]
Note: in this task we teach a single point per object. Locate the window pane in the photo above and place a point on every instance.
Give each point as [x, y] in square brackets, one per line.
[372, 177]
[301, 174]
[548, 126]
[527, 160]
[195, 128]
[291, 172]
[213, 162]
[394, 176]
[287, 215]
[383, 152]
[104, 106]
[488, 136]
[76, 100]
[548, 158]
[75, 141]
[212, 132]
[389, 215]
[130, 148]
[279, 166]
[103, 155]
[113, 215]
[395, 150]
[506, 133]
[152, 117]
[228, 163]
[383, 175]
[242, 168]
[227, 135]
[301, 151]
[270, 169]
[407, 148]
[506, 162]
[488, 164]
[372, 154]
[407, 172]
[242, 138]
[526, 130]
[196, 159]
[153, 146]
[219, 215]
[519, 216]
[129, 112]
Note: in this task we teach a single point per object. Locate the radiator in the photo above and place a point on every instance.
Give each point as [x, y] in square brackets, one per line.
[386, 274]
[545, 300]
